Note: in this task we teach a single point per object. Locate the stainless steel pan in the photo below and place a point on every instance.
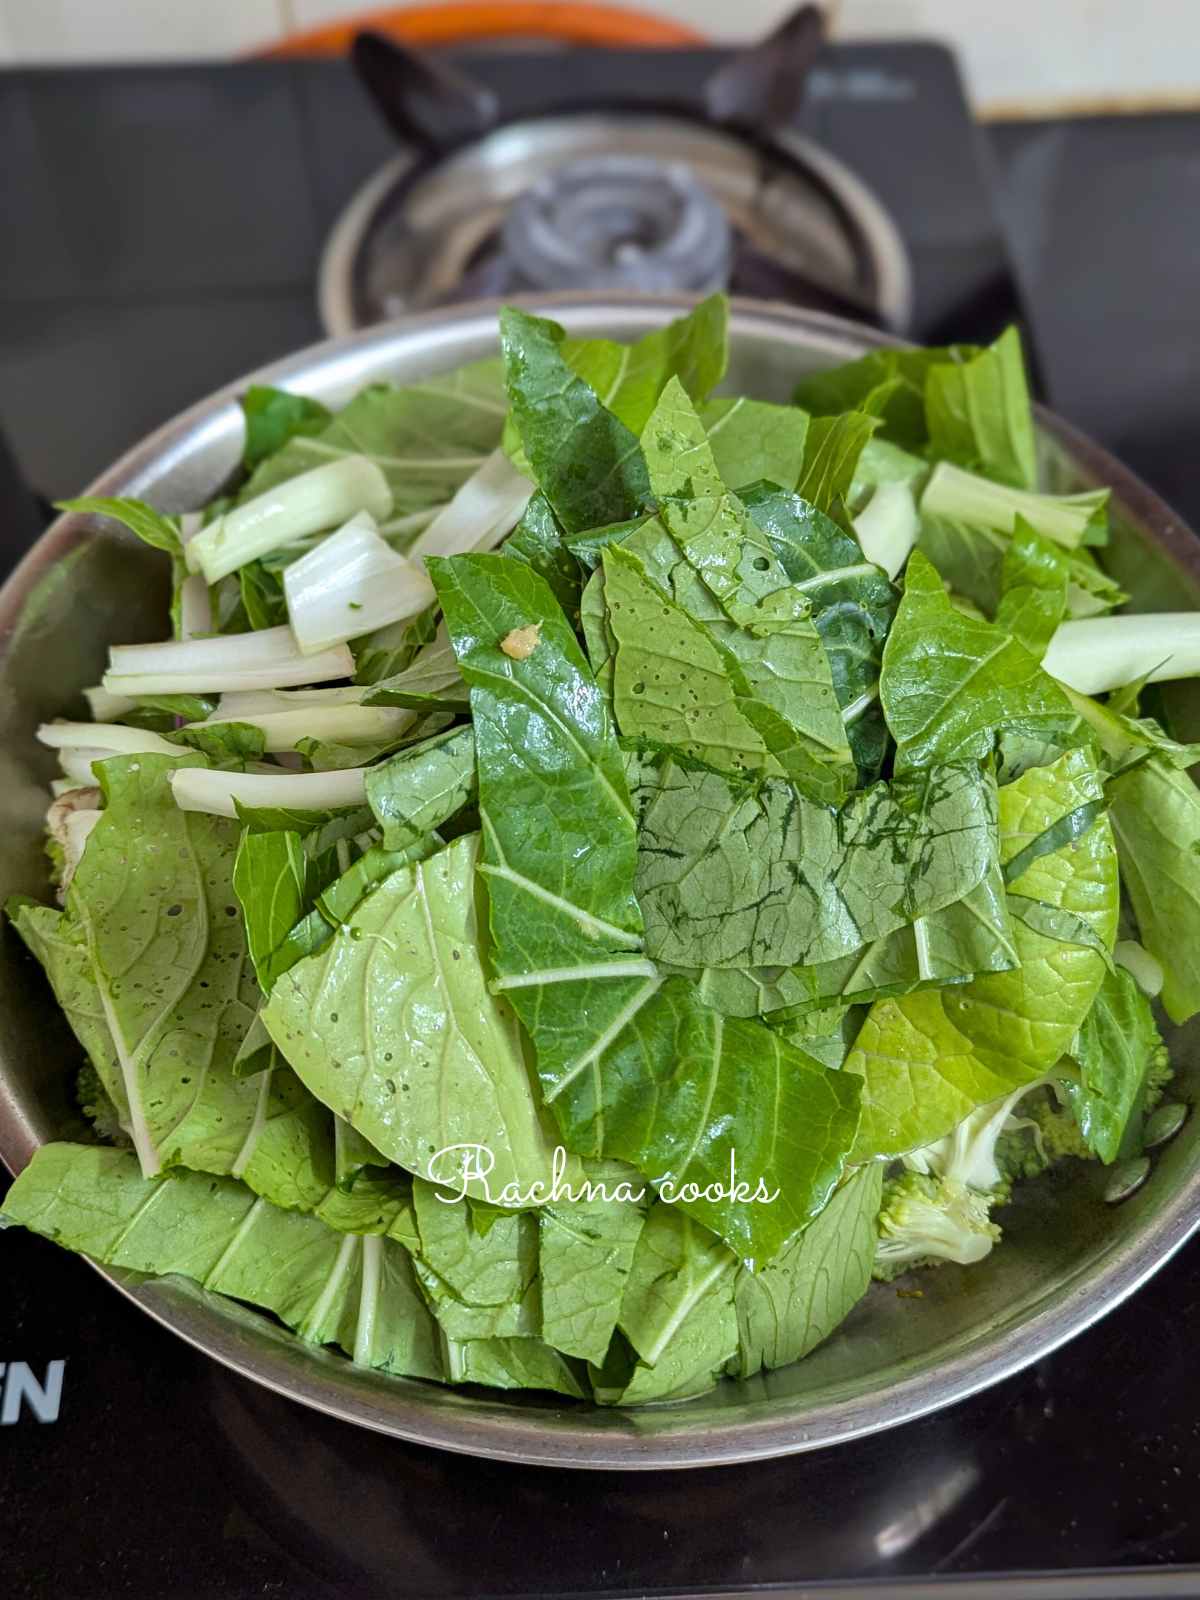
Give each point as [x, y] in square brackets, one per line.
[1066, 1257]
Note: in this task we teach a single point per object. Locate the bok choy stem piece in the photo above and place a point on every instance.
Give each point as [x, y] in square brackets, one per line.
[201, 789]
[283, 724]
[1068, 519]
[352, 583]
[104, 706]
[887, 527]
[484, 510]
[80, 743]
[195, 601]
[323, 498]
[112, 737]
[267, 659]
[1096, 654]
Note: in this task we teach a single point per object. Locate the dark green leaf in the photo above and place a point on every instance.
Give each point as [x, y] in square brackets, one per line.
[853, 606]
[950, 683]
[1063, 831]
[629, 378]
[1034, 585]
[1114, 1049]
[677, 682]
[889, 383]
[832, 447]
[271, 881]
[732, 557]
[273, 417]
[150, 526]
[586, 462]
[328, 826]
[381, 656]
[422, 786]
[538, 541]
[226, 744]
[262, 596]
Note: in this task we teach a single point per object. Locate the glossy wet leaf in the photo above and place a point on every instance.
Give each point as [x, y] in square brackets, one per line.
[633, 1067]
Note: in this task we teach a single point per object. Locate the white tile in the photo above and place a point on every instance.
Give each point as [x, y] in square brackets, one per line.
[312, 13]
[110, 30]
[1051, 53]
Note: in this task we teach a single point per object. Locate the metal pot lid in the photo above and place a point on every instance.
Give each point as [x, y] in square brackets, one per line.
[616, 199]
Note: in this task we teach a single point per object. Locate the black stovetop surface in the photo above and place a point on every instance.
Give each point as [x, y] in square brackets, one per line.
[162, 233]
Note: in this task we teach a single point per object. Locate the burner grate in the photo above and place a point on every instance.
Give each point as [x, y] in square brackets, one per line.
[438, 228]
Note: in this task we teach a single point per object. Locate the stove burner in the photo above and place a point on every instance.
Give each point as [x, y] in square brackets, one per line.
[618, 222]
[438, 228]
[721, 191]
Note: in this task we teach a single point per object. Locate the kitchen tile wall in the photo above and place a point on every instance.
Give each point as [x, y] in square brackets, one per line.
[1024, 56]
[111, 30]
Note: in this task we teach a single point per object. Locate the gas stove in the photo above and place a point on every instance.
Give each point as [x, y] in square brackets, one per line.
[170, 222]
[148, 260]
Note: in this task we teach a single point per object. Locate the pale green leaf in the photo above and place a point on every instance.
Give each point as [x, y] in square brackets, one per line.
[393, 1027]
[753, 875]
[950, 683]
[1155, 812]
[329, 1287]
[928, 1059]
[586, 1250]
[795, 1301]
[753, 441]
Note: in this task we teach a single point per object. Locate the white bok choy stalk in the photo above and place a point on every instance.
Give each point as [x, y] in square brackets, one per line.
[483, 511]
[964, 497]
[195, 602]
[1096, 654]
[888, 525]
[266, 659]
[285, 716]
[107, 707]
[350, 584]
[204, 789]
[323, 498]
[80, 743]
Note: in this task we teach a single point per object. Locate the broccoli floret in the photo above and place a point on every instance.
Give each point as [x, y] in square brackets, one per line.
[1058, 1131]
[1045, 1132]
[926, 1220]
[1021, 1150]
[94, 1101]
[57, 856]
[1158, 1076]
[967, 1154]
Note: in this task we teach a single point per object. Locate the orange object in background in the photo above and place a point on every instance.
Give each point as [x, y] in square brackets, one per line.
[586, 24]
